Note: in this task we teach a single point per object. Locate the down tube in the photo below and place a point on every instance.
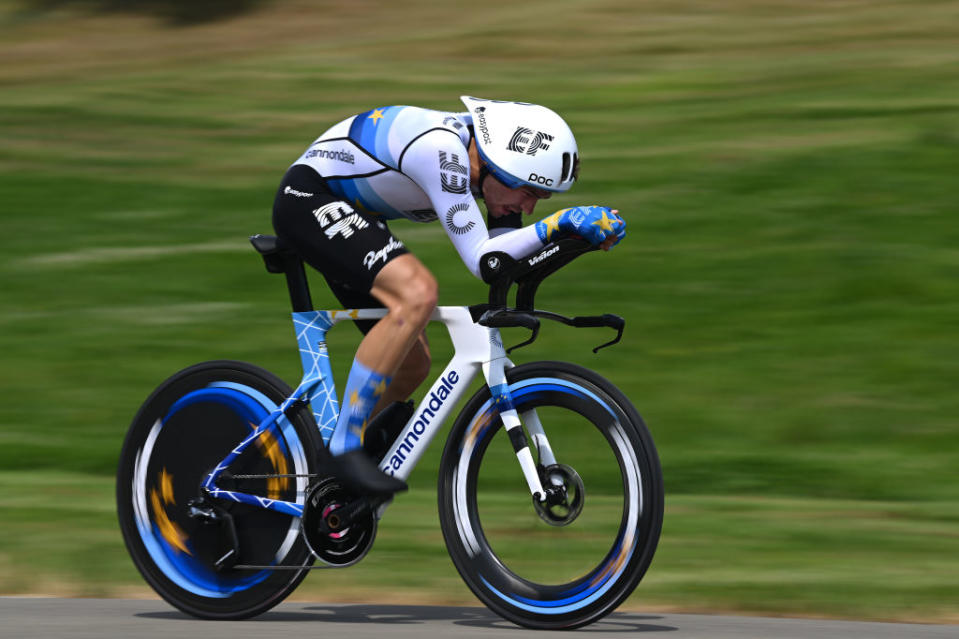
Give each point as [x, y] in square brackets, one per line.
[429, 417]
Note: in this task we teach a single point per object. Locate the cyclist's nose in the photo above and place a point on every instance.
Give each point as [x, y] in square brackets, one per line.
[529, 203]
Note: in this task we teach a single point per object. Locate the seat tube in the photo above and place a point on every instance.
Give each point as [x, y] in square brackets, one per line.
[495, 372]
[316, 387]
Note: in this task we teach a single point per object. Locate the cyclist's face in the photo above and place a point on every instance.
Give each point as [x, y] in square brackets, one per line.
[502, 200]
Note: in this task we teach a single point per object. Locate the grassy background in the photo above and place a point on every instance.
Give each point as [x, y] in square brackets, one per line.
[788, 172]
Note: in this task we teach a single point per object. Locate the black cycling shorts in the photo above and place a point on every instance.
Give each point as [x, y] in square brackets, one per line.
[348, 246]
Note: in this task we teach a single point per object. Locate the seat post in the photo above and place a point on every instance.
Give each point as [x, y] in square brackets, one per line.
[296, 283]
[282, 259]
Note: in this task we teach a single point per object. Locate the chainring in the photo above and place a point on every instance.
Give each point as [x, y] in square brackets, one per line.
[338, 547]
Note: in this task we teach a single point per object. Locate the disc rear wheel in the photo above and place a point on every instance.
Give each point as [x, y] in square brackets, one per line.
[184, 542]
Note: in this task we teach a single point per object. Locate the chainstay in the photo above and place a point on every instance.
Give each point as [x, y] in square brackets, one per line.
[313, 567]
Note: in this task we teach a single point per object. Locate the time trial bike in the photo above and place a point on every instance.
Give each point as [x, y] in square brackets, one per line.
[550, 490]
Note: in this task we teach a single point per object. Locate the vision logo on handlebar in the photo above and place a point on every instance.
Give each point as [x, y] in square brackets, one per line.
[533, 261]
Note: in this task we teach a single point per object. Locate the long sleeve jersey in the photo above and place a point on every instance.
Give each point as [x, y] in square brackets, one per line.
[408, 162]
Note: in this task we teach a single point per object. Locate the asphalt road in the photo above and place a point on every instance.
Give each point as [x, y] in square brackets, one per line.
[144, 619]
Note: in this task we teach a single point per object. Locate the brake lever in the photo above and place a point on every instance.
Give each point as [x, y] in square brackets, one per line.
[501, 318]
[532, 338]
[608, 319]
[612, 321]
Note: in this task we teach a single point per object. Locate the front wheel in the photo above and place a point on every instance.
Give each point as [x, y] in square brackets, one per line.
[571, 561]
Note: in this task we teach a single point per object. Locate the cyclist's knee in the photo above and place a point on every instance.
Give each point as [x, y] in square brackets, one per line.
[407, 288]
[421, 294]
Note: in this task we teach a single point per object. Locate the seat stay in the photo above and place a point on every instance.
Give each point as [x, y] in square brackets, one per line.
[269, 423]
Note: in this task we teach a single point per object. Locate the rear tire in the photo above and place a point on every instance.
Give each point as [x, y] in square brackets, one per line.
[188, 425]
[565, 567]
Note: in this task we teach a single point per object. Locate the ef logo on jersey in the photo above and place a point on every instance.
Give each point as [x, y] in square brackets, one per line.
[339, 218]
[454, 177]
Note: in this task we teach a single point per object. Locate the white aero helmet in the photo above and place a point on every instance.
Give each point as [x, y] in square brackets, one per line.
[524, 144]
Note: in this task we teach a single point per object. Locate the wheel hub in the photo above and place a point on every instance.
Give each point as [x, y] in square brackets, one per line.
[564, 495]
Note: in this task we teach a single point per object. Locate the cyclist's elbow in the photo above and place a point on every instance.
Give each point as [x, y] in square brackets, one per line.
[473, 264]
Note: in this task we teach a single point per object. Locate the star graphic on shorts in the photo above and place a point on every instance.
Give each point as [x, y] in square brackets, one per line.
[376, 116]
[606, 223]
[380, 388]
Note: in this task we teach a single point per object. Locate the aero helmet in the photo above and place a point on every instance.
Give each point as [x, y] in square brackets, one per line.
[524, 144]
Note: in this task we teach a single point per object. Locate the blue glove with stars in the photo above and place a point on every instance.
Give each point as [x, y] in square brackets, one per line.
[595, 224]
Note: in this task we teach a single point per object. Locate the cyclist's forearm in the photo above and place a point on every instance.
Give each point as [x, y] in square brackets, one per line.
[515, 243]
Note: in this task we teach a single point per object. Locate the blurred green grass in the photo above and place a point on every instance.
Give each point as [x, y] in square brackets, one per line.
[788, 171]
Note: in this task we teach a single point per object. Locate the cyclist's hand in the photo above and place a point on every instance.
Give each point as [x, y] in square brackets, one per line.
[618, 234]
[598, 225]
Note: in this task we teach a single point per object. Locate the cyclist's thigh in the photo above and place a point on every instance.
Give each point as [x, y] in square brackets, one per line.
[349, 247]
[405, 278]
[351, 298]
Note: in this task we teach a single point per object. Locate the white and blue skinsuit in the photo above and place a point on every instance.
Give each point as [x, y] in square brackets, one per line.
[408, 162]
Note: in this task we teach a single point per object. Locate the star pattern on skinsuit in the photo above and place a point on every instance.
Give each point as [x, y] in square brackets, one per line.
[606, 223]
[376, 116]
[354, 398]
[380, 388]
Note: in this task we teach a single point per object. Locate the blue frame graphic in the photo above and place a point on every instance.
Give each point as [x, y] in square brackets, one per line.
[316, 388]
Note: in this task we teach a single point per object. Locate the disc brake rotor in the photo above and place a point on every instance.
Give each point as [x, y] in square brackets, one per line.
[564, 495]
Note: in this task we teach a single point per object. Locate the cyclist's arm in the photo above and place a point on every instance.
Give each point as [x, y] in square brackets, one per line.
[503, 223]
[439, 163]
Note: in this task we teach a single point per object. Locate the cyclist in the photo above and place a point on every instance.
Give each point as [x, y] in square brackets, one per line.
[423, 165]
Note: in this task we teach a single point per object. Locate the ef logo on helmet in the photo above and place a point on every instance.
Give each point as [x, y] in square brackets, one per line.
[528, 141]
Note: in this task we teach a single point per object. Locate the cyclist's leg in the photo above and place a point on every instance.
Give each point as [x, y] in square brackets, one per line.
[355, 249]
[408, 290]
[413, 370]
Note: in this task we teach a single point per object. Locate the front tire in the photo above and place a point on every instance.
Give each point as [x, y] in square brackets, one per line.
[577, 562]
[187, 426]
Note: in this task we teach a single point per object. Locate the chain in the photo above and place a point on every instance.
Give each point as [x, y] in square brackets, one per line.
[270, 476]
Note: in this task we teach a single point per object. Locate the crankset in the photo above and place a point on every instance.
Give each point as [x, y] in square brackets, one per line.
[338, 527]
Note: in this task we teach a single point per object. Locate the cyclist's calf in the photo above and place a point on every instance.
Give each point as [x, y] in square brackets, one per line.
[412, 372]
[409, 292]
